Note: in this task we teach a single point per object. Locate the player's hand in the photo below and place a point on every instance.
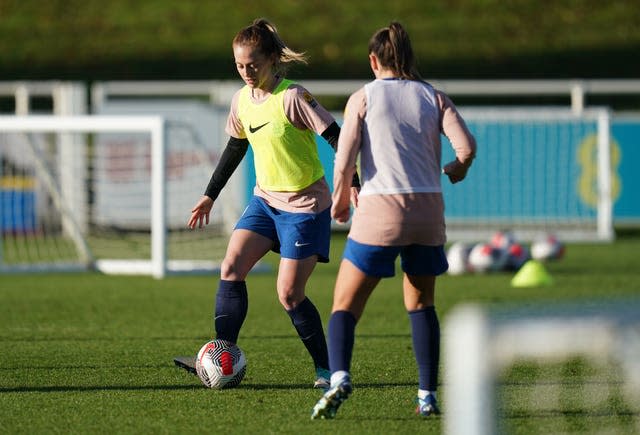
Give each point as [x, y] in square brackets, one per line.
[455, 170]
[200, 213]
[341, 212]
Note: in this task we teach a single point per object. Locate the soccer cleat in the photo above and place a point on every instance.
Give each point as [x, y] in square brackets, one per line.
[322, 379]
[187, 363]
[427, 406]
[328, 404]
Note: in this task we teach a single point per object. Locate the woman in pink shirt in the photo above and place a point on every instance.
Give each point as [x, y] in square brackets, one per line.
[394, 123]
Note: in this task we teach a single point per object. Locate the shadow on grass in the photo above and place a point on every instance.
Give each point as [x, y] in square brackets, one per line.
[185, 338]
[89, 388]
[244, 386]
[89, 367]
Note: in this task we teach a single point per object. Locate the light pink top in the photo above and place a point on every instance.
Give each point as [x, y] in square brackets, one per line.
[395, 126]
[304, 112]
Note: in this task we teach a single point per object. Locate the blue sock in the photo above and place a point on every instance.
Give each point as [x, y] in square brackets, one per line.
[232, 303]
[426, 346]
[342, 327]
[306, 319]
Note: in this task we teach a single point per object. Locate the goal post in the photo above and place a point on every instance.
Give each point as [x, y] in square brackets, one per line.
[598, 342]
[139, 175]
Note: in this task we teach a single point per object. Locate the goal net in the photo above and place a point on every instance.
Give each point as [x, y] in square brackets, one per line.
[537, 170]
[566, 369]
[112, 193]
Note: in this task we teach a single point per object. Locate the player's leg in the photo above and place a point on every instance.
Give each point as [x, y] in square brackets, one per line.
[352, 290]
[305, 318]
[421, 265]
[253, 236]
[303, 241]
[360, 271]
[243, 252]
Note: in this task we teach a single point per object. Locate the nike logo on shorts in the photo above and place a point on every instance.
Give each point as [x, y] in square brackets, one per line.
[254, 129]
[297, 244]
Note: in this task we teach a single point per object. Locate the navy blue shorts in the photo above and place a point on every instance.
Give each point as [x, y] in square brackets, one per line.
[295, 235]
[379, 261]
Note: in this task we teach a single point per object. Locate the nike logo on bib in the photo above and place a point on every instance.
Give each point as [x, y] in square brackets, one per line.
[254, 129]
[297, 244]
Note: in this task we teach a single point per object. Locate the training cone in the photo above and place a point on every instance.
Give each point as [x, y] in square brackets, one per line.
[531, 274]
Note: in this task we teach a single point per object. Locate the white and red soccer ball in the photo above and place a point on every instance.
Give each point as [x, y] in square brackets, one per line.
[517, 255]
[503, 240]
[220, 364]
[547, 247]
[458, 258]
[484, 257]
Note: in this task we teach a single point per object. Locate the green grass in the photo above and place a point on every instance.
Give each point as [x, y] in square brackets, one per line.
[88, 353]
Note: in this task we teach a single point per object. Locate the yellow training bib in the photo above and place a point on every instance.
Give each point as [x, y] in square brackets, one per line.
[285, 157]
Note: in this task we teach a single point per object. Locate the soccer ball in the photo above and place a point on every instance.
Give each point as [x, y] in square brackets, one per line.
[503, 240]
[458, 258]
[518, 255]
[547, 248]
[487, 258]
[220, 364]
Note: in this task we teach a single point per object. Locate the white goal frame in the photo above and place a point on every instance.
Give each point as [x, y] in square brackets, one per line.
[479, 344]
[152, 125]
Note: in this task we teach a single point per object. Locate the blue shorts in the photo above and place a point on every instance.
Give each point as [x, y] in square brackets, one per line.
[379, 261]
[295, 235]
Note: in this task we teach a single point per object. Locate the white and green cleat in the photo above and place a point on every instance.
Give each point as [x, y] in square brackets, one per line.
[328, 405]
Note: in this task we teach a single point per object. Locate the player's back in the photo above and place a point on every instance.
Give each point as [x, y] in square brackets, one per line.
[401, 146]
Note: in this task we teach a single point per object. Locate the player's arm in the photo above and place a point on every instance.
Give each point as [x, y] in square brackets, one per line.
[346, 154]
[462, 141]
[331, 135]
[231, 157]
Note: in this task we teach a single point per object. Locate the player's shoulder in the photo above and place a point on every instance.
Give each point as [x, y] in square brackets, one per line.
[358, 97]
[236, 96]
[297, 92]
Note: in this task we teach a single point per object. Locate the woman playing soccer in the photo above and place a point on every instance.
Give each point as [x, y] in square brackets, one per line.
[394, 123]
[290, 210]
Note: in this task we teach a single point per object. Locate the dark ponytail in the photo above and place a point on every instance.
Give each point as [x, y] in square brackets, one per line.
[392, 47]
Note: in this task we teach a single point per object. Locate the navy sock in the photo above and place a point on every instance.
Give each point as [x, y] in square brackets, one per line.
[342, 327]
[306, 319]
[232, 303]
[425, 330]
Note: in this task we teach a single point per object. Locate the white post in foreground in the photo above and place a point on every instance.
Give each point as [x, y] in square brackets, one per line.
[469, 402]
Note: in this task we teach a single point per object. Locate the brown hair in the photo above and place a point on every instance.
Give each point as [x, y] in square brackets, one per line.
[263, 35]
[392, 47]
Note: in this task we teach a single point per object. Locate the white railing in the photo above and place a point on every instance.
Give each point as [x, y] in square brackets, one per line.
[70, 97]
[222, 91]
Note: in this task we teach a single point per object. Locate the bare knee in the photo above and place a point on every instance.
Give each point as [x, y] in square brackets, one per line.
[289, 297]
[229, 271]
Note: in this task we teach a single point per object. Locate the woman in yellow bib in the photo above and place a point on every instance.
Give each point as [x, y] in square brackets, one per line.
[290, 210]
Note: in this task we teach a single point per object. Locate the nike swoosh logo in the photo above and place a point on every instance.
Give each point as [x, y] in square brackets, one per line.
[298, 244]
[254, 129]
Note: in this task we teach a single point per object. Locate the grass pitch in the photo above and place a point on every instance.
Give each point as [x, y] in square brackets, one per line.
[89, 353]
